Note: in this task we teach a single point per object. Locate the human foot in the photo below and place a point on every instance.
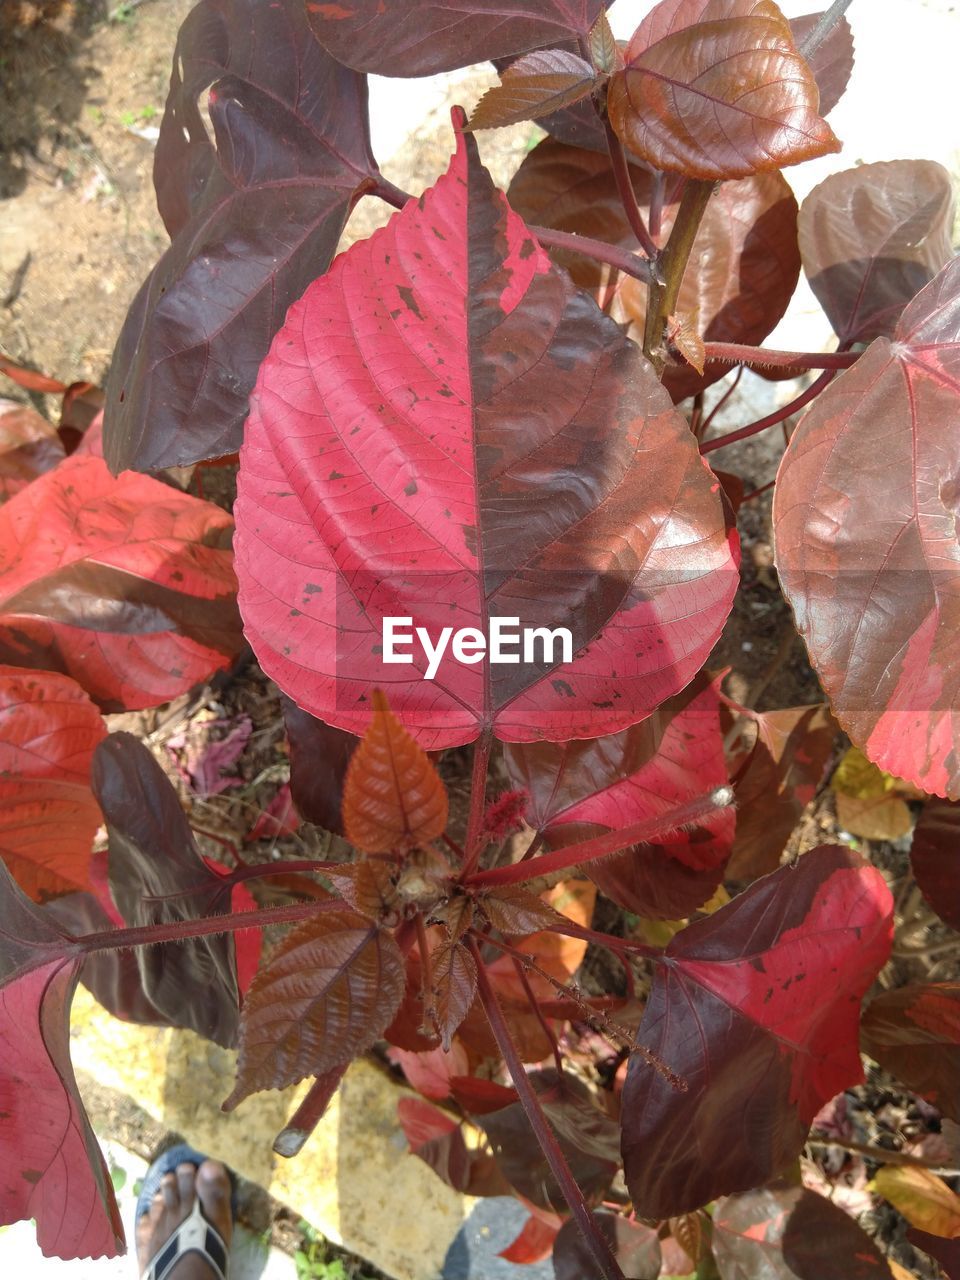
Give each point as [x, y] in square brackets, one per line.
[174, 1205]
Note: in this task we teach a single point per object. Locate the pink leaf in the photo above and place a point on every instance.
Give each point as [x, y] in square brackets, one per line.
[445, 429]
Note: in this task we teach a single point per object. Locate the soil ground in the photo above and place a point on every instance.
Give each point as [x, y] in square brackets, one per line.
[81, 92]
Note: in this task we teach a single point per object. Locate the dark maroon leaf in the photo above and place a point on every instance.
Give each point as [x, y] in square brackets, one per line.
[588, 1138]
[326, 993]
[946, 1252]
[319, 755]
[776, 784]
[832, 62]
[158, 876]
[789, 1233]
[123, 583]
[51, 1168]
[254, 214]
[935, 859]
[449, 501]
[397, 38]
[29, 446]
[743, 268]
[690, 66]
[579, 789]
[753, 1017]
[871, 238]
[878, 606]
[540, 82]
[635, 1247]
[914, 1033]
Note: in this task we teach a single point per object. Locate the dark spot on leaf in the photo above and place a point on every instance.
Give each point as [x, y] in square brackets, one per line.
[311, 588]
[446, 392]
[527, 250]
[295, 613]
[335, 475]
[32, 1176]
[563, 687]
[409, 301]
[410, 489]
[438, 234]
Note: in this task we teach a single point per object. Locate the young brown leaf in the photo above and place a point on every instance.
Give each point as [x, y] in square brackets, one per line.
[393, 797]
[368, 886]
[516, 911]
[603, 46]
[454, 988]
[716, 89]
[327, 993]
[534, 85]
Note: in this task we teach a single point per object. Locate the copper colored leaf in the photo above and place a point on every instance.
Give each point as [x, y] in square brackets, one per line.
[789, 1233]
[319, 755]
[871, 238]
[716, 89]
[157, 876]
[533, 1244]
[865, 514]
[743, 268]
[454, 988]
[754, 1014]
[832, 63]
[914, 1033]
[124, 583]
[935, 859]
[516, 911]
[393, 797]
[779, 780]
[603, 45]
[30, 379]
[582, 788]
[369, 886]
[326, 994]
[684, 335]
[635, 1247]
[51, 1168]
[414, 478]
[924, 1199]
[49, 729]
[535, 84]
[254, 213]
[29, 446]
[397, 38]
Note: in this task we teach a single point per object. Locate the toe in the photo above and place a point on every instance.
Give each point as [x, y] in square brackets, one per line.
[186, 1180]
[170, 1191]
[214, 1190]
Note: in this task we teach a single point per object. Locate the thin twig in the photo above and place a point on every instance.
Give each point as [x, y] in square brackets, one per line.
[739, 353]
[631, 264]
[621, 173]
[828, 20]
[772, 419]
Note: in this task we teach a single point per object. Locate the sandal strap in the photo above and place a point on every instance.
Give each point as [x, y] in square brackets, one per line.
[194, 1235]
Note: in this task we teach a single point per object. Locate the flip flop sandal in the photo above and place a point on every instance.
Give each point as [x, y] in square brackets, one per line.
[195, 1234]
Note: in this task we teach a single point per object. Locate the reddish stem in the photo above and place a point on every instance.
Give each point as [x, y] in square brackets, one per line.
[656, 203]
[565, 990]
[473, 845]
[737, 353]
[389, 193]
[575, 855]
[755, 493]
[544, 1025]
[631, 264]
[598, 1246]
[704, 426]
[181, 930]
[293, 867]
[772, 419]
[310, 1112]
[628, 198]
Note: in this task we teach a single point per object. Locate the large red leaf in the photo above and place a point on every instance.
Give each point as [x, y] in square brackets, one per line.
[865, 516]
[473, 439]
[29, 446]
[328, 991]
[871, 238]
[578, 789]
[397, 38]
[51, 1168]
[254, 214]
[776, 783]
[914, 1032]
[49, 729]
[754, 1010]
[716, 89]
[935, 859]
[742, 270]
[789, 1233]
[124, 583]
[157, 876]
